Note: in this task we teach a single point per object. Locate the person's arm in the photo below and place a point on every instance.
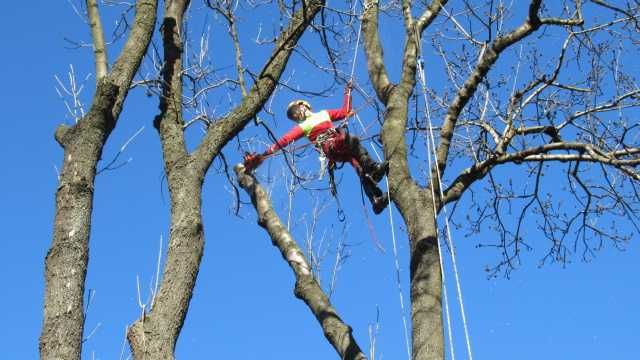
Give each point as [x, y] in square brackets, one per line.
[345, 110]
[292, 135]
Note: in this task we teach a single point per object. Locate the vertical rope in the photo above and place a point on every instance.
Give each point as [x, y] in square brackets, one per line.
[442, 273]
[432, 147]
[395, 251]
[355, 52]
[391, 222]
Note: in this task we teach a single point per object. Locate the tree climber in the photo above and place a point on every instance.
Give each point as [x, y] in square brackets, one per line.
[335, 144]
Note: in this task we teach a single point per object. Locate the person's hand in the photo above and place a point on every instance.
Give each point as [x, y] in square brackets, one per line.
[348, 87]
[252, 161]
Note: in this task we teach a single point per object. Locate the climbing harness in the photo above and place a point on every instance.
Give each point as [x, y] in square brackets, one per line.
[319, 145]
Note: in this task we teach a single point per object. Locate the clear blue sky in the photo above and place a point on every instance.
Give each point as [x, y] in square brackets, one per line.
[243, 305]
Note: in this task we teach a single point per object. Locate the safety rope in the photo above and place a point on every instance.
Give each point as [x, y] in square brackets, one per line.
[442, 272]
[445, 292]
[395, 249]
[355, 52]
[431, 148]
[391, 222]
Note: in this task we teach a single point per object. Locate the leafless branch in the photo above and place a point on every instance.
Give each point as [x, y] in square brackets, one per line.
[306, 288]
[99, 48]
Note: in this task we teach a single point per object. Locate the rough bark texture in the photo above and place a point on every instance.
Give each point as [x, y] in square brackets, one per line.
[307, 289]
[414, 203]
[66, 261]
[410, 198]
[155, 334]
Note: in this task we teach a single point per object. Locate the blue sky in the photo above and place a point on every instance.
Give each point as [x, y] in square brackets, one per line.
[243, 305]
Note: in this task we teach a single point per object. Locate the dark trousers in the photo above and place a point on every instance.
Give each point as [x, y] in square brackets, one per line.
[342, 147]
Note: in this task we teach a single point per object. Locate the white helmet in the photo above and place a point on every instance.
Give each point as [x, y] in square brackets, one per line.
[293, 109]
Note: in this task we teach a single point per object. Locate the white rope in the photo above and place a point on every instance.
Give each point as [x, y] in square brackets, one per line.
[395, 250]
[391, 222]
[355, 52]
[435, 211]
[432, 147]
[442, 273]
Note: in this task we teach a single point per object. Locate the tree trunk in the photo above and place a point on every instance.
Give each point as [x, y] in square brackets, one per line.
[66, 261]
[426, 295]
[416, 207]
[154, 336]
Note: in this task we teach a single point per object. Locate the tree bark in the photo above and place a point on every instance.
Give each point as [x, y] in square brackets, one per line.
[416, 204]
[66, 261]
[155, 334]
[307, 289]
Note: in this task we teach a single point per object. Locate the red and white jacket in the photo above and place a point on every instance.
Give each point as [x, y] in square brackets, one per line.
[314, 125]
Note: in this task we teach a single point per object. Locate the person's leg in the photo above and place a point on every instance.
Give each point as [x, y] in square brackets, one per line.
[377, 198]
[356, 166]
[344, 148]
[369, 166]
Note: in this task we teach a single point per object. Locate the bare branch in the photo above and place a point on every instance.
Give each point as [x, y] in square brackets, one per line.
[228, 15]
[612, 105]
[306, 289]
[585, 153]
[627, 13]
[127, 64]
[112, 164]
[373, 49]
[224, 129]
[430, 14]
[486, 62]
[99, 49]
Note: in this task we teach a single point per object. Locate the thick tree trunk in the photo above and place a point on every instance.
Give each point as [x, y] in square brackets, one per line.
[66, 261]
[426, 295]
[416, 207]
[154, 336]
[414, 202]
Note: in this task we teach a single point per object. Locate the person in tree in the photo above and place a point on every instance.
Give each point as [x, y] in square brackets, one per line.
[335, 144]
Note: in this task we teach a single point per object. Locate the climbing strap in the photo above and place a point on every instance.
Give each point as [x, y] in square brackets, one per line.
[334, 191]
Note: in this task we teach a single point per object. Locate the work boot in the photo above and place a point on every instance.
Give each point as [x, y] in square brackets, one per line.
[379, 203]
[379, 170]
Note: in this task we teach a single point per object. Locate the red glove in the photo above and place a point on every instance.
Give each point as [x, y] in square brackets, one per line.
[252, 161]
